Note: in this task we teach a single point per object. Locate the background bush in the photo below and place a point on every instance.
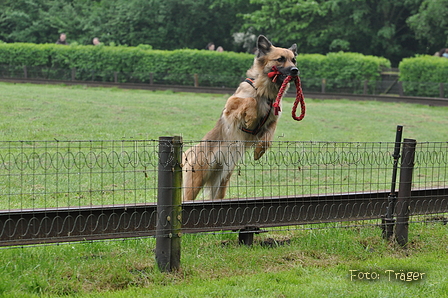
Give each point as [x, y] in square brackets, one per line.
[135, 64]
[422, 75]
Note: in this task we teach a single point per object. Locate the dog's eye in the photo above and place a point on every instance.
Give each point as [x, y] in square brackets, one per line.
[281, 59]
[294, 60]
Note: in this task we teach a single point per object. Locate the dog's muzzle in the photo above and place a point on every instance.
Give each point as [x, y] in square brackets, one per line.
[279, 75]
[294, 71]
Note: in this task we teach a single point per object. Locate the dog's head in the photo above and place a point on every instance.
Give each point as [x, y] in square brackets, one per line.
[271, 58]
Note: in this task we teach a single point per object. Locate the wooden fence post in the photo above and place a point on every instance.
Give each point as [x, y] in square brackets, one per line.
[400, 88]
[177, 204]
[73, 73]
[169, 204]
[196, 80]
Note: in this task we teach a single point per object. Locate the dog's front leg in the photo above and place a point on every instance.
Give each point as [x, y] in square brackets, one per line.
[241, 111]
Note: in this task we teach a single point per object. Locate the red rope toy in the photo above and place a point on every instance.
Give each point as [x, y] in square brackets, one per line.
[299, 94]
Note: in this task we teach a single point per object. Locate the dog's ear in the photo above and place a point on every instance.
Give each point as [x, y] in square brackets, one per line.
[293, 48]
[263, 45]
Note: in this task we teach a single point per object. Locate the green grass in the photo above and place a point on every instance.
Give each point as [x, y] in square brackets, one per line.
[36, 112]
[316, 263]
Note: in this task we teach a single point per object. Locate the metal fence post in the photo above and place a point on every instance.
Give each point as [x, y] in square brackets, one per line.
[388, 219]
[169, 204]
[404, 192]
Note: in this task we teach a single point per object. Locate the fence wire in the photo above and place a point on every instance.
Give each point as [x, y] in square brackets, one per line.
[309, 168]
[53, 174]
[94, 179]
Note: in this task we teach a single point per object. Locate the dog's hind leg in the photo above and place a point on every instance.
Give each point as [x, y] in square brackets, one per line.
[216, 185]
[195, 168]
[193, 181]
[223, 187]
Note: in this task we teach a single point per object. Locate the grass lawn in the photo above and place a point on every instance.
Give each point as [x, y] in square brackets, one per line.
[311, 263]
[315, 263]
[36, 112]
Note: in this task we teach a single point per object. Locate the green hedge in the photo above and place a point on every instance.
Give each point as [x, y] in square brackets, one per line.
[422, 75]
[134, 64]
[341, 70]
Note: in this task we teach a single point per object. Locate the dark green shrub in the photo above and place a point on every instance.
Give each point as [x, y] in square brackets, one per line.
[422, 75]
[139, 64]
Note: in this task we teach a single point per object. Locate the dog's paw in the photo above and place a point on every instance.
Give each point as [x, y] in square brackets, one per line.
[261, 149]
[258, 153]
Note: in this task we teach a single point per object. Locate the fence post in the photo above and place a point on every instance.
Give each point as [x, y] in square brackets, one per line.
[151, 78]
[115, 77]
[73, 73]
[365, 87]
[388, 220]
[196, 80]
[400, 88]
[169, 204]
[25, 72]
[324, 82]
[404, 192]
[177, 204]
[441, 90]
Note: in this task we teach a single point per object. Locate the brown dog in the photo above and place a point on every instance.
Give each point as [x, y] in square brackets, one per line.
[248, 120]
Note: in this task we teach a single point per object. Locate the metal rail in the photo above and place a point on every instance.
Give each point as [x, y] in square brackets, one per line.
[38, 226]
[431, 101]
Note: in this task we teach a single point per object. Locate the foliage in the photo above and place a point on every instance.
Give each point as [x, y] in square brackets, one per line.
[431, 23]
[168, 25]
[370, 27]
[392, 29]
[416, 72]
[134, 64]
[340, 69]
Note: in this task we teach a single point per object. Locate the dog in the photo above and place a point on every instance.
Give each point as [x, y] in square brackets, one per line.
[247, 121]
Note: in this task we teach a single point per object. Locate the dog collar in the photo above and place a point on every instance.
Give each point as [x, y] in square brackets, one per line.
[251, 82]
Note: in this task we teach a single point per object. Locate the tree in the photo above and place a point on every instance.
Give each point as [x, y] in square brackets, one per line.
[168, 24]
[371, 27]
[431, 24]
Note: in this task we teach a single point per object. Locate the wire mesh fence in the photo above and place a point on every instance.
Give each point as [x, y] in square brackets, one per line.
[71, 190]
[54, 174]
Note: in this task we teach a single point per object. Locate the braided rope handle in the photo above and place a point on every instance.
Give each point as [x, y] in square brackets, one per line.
[299, 98]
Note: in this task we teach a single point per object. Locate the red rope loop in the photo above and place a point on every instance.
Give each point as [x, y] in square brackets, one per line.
[299, 98]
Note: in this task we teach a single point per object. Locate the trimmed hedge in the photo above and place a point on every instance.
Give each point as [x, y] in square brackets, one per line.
[348, 70]
[134, 64]
[422, 75]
